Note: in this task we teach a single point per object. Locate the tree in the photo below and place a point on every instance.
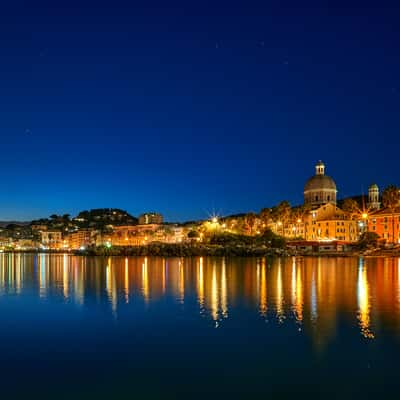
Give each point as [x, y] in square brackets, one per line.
[368, 239]
[350, 206]
[193, 234]
[391, 200]
[265, 216]
[282, 213]
[250, 221]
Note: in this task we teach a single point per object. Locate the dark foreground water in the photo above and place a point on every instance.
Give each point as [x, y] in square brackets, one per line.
[154, 328]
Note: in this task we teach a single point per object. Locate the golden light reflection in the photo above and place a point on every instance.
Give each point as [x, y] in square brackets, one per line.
[65, 277]
[214, 296]
[181, 283]
[224, 291]
[263, 289]
[200, 284]
[145, 280]
[280, 312]
[297, 291]
[363, 301]
[126, 280]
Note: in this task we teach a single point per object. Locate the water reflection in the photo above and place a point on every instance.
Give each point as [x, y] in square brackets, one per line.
[310, 294]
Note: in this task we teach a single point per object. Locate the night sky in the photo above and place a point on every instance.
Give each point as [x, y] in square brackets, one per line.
[192, 109]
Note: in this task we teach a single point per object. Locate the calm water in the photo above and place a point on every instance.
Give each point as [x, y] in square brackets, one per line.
[150, 328]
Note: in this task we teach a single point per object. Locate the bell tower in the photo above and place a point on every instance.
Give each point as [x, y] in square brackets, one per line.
[373, 197]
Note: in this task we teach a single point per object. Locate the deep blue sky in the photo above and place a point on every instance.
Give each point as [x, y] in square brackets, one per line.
[190, 109]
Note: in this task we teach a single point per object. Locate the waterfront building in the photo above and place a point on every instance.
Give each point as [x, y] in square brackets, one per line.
[133, 235]
[151, 218]
[329, 222]
[81, 238]
[386, 223]
[51, 239]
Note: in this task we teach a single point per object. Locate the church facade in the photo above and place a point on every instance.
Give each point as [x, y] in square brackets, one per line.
[325, 221]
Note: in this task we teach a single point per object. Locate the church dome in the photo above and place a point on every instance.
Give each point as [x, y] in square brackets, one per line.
[320, 188]
[318, 182]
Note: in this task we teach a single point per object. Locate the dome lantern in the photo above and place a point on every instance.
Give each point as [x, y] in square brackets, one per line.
[320, 168]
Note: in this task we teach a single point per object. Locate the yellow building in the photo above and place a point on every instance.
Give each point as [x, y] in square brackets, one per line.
[80, 239]
[51, 239]
[329, 222]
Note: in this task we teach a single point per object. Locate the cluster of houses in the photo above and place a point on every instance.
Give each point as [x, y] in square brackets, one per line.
[150, 228]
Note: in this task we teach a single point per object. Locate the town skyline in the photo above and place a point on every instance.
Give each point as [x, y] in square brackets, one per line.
[206, 214]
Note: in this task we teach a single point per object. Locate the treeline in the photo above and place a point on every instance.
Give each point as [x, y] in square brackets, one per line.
[223, 244]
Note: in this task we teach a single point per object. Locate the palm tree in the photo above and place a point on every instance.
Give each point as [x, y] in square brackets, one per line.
[281, 214]
[390, 200]
[265, 216]
[350, 206]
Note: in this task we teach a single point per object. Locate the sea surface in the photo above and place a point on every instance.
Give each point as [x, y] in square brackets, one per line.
[199, 328]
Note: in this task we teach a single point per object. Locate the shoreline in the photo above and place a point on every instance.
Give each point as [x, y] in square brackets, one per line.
[182, 250]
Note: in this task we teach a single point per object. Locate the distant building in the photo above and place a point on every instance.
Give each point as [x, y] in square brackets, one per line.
[151, 218]
[39, 227]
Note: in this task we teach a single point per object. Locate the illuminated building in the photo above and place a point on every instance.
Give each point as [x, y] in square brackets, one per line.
[373, 198]
[329, 222]
[325, 221]
[81, 239]
[385, 223]
[320, 189]
[151, 218]
[51, 239]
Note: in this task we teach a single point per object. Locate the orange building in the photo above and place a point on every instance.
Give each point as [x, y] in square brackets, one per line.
[386, 224]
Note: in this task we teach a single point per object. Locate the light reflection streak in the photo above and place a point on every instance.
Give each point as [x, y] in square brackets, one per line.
[280, 313]
[65, 277]
[126, 280]
[145, 280]
[200, 285]
[214, 296]
[363, 301]
[263, 290]
[224, 291]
